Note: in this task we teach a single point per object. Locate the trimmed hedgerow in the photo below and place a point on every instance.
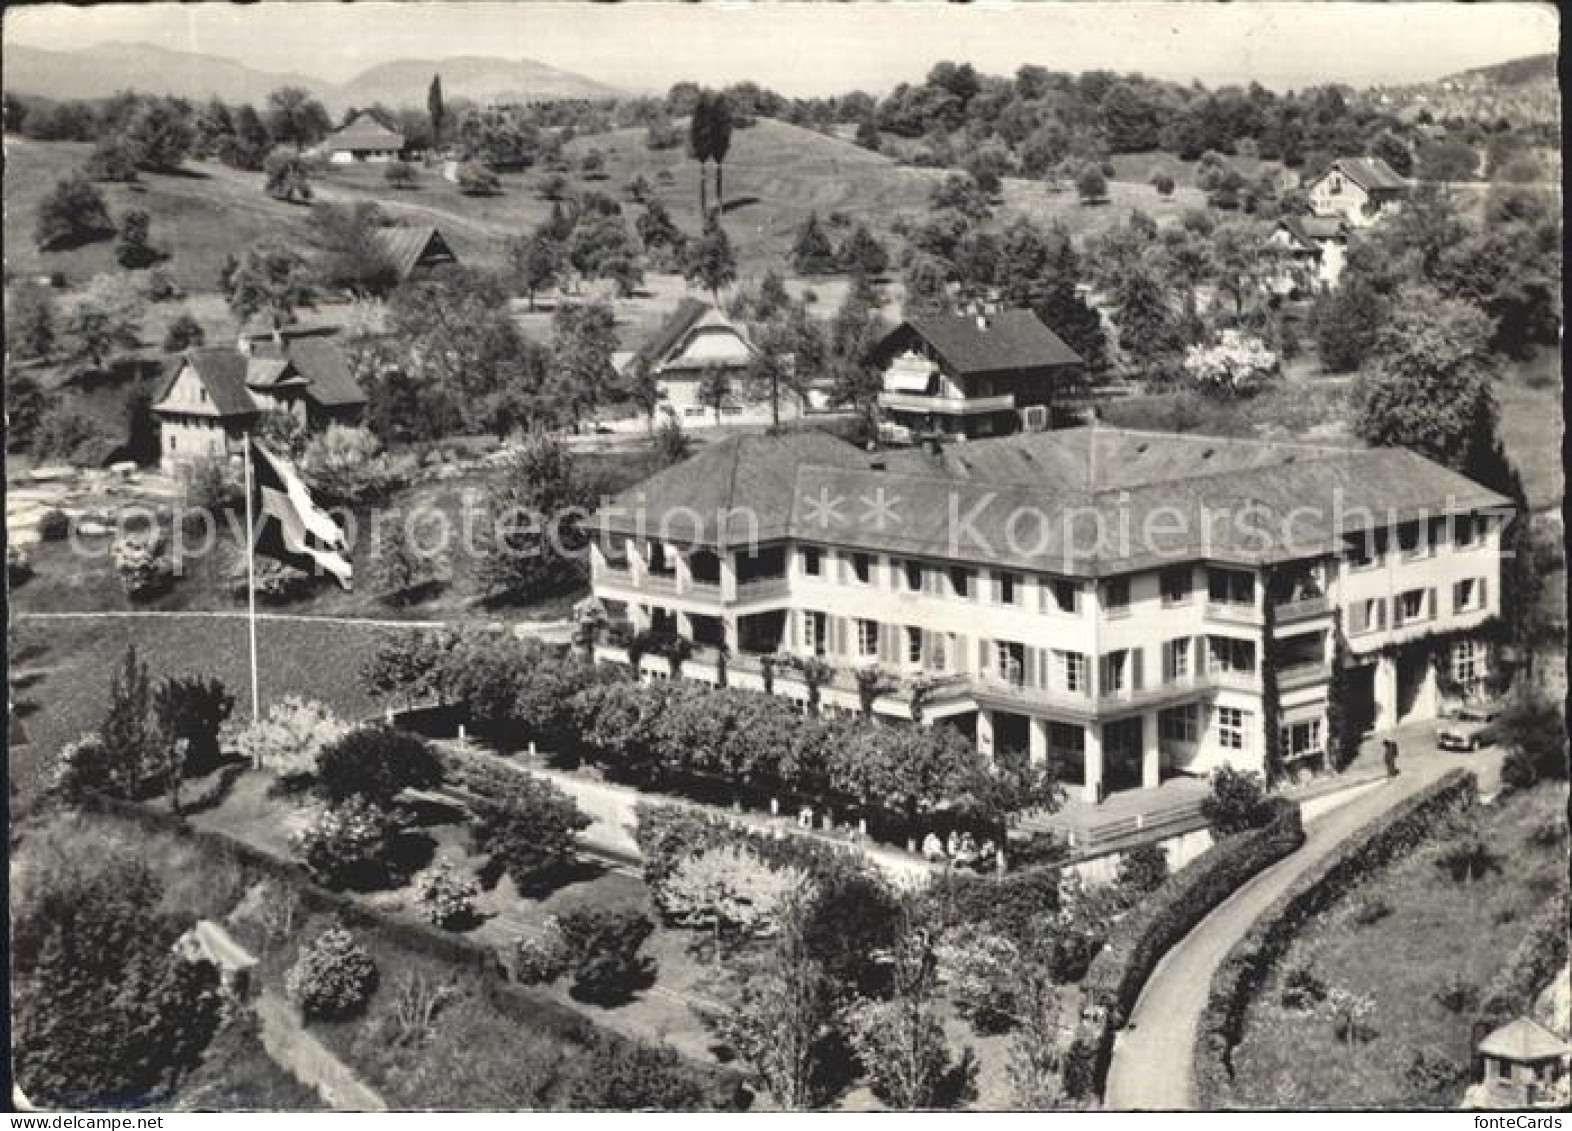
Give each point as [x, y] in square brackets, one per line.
[1530, 968]
[1120, 971]
[1248, 965]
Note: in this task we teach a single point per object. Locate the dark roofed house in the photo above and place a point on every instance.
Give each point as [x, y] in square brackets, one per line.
[1314, 250]
[972, 374]
[417, 250]
[1362, 190]
[212, 396]
[362, 138]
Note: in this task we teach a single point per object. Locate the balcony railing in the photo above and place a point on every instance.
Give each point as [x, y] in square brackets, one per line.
[659, 582]
[917, 402]
[761, 588]
[1233, 612]
[1303, 609]
[1301, 675]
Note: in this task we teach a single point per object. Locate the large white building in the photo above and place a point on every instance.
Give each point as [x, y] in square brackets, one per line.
[972, 578]
[1360, 190]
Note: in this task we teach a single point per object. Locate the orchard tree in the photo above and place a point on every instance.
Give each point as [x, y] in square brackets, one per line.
[134, 251]
[159, 135]
[536, 263]
[1345, 323]
[350, 252]
[71, 212]
[584, 337]
[295, 118]
[106, 318]
[1090, 185]
[376, 763]
[288, 176]
[711, 263]
[811, 250]
[729, 892]
[270, 281]
[30, 320]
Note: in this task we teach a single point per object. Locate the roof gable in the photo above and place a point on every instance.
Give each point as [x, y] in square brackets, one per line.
[410, 248]
[690, 317]
[222, 372]
[1007, 342]
[1370, 173]
[364, 132]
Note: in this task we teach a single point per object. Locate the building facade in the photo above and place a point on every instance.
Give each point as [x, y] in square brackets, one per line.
[362, 139]
[1360, 190]
[1314, 250]
[1071, 594]
[972, 375]
[213, 396]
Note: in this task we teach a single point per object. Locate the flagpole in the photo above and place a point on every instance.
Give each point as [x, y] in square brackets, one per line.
[251, 589]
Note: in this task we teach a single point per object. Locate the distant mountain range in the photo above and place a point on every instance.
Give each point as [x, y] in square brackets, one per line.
[99, 71]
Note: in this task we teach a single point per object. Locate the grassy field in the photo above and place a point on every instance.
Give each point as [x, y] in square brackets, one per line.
[1432, 931]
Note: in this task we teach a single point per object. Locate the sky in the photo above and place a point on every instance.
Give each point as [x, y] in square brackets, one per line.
[821, 48]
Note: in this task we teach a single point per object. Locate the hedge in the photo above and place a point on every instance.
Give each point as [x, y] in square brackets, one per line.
[1247, 966]
[529, 1008]
[1530, 968]
[1119, 973]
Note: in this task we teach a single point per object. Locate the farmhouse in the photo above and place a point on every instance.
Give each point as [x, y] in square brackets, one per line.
[362, 138]
[1128, 602]
[698, 349]
[212, 396]
[1362, 190]
[983, 374]
[1314, 249]
[416, 251]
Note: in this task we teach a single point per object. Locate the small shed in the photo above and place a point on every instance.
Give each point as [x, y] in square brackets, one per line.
[209, 942]
[1525, 1065]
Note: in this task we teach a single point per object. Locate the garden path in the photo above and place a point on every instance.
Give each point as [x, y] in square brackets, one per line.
[300, 1053]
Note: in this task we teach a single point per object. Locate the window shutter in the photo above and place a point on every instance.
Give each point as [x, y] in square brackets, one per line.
[839, 627]
[1380, 612]
[841, 568]
[887, 642]
[793, 627]
[1430, 603]
[1137, 662]
[1484, 593]
[1168, 661]
[983, 666]
[1358, 617]
[1029, 667]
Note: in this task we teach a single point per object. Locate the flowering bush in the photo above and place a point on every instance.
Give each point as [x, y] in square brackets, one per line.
[334, 977]
[445, 897]
[289, 737]
[144, 570]
[81, 764]
[349, 845]
[1239, 365]
[542, 958]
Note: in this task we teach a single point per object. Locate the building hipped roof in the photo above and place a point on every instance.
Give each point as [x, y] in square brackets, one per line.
[690, 315]
[1009, 341]
[228, 374]
[1310, 229]
[1079, 502]
[363, 133]
[1524, 1040]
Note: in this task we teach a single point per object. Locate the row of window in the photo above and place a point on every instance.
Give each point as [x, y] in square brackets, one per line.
[1415, 606]
[1418, 539]
[1183, 724]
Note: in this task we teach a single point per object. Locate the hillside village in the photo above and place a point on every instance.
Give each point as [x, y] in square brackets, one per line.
[734, 777]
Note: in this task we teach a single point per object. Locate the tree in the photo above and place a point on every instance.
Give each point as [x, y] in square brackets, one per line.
[270, 281]
[436, 111]
[1390, 148]
[711, 263]
[107, 317]
[662, 239]
[295, 118]
[30, 324]
[901, 1041]
[1447, 159]
[1346, 321]
[671, 444]
[784, 1024]
[351, 253]
[1150, 334]
[714, 389]
[127, 732]
[184, 332]
[404, 570]
[192, 710]
[535, 539]
[350, 846]
[536, 263]
[1430, 385]
[133, 250]
[159, 135]
[111, 160]
[400, 175]
[773, 371]
[475, 179]
[289, 737]
[863, 254]
[731, 893]
[250, 144]
[374, 764]
[72, 212]
[811, 250]
[1129, 120]
[584, 338]
[288, 176]
[1090, 185]
[529, 829]
[1237, 802]
[106, 1013]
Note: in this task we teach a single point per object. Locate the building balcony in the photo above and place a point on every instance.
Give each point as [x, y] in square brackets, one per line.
[950, 406]
[1302, 675]
[657, 582]
[1306, 608]
[1228, 612]
[763, 589]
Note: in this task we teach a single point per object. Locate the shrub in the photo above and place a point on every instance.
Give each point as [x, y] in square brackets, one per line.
[212, 487]
[1011, 904]
[542, 958]
[474, 179]
[333, 978]
[400, 175]
[71, 212]
[289, 737]
[602, 945]
[375, 763]
[528, 827]
[54, 525]
[18, 564]
[980, 969]
[158, 285]
[1350, 1015]
[1368, 910]
[111, 160]
[1458, 994]
[1434, 1077]
[1468, 858]
[1534, 734]
[625, 1075]
[1239, 365]
[350, 846]
[143, 569]
[184, 332]
[1303, 989]
[1163, 183]
[1530, 967]
[1142, 869]
[446, 898]
[1237, 802]
[193, 709]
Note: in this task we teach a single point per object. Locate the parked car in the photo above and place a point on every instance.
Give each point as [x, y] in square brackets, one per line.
[1469, 727]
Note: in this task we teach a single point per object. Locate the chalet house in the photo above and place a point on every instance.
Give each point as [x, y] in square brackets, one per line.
[992, 577]
[1314, 249]
[699, 340]
[1362, 190]
[362, 138]
[416, 251]
[972, 374]
[1524, 1065]
[212, 396]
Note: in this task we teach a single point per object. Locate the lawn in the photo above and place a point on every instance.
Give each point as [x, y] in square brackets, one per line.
[1433, 930]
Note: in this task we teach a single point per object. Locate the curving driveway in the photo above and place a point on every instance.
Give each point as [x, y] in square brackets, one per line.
[1153, 1054]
